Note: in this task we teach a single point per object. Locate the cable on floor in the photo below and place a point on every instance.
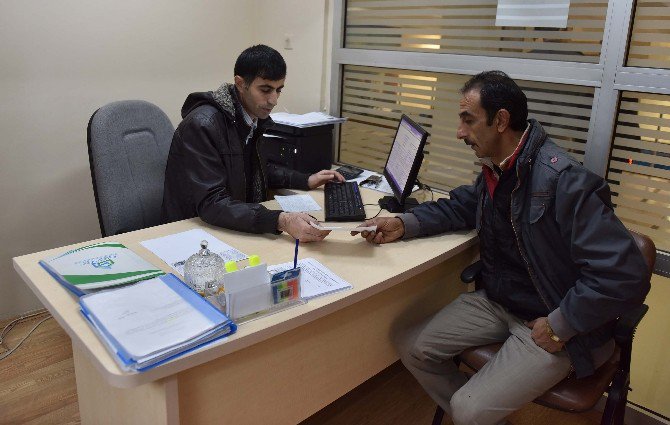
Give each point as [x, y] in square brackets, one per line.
[16, 321]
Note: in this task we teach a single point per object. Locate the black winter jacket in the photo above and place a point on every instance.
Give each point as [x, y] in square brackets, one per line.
[205, 173]
[579, 255]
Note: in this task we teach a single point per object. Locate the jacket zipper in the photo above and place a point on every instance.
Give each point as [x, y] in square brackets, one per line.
[260, 164]
[523, 255]
[518, 240]
[244, 175]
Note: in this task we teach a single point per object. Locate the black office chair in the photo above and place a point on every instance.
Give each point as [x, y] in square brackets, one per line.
[128, 144]
[579, 395]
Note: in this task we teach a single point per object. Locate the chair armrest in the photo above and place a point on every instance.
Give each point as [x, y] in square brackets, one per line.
[472, 272]
[625, 328]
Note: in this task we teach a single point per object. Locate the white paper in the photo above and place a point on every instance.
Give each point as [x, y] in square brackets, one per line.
[536, 13]
[357, 228]
[297, 203]
[383, 185]
[316, 279]
[147, 317]
[311, 119]
[176, 248]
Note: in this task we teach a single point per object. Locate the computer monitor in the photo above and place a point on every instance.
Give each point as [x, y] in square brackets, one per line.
[402, 165]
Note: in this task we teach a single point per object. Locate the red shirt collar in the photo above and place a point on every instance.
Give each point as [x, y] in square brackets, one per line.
[491, 175]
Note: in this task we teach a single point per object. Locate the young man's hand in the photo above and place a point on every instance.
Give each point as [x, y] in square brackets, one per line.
[322, 177]
[297, 225]
[388, 230]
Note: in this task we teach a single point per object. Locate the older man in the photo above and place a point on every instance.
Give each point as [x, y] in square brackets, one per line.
[558, 266]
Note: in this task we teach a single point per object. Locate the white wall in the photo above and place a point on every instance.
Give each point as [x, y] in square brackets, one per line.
[303, 21]
[60, 61]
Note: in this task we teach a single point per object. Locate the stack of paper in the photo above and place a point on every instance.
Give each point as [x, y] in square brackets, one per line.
[311, 119]
[98, 266]
[153, 321]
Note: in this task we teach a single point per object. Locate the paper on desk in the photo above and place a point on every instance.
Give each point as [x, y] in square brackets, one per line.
[176, 248]
[297, 203]
[310, 119]
[383, 186]
[357, 228]
[316, 278]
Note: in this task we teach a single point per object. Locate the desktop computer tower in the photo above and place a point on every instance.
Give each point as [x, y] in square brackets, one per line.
[303, 149]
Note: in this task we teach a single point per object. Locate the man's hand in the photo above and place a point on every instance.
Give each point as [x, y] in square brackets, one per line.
[322, 177]
[540, 334]
[388, 230]
[297, 225]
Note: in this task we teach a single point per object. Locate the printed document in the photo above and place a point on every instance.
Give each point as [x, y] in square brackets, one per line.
[382, 186]
[311, 119]
[147, 318]
[316, 279]
[297, 203]
[175, 249]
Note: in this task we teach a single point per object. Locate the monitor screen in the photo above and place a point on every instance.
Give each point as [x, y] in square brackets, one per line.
[404, 160]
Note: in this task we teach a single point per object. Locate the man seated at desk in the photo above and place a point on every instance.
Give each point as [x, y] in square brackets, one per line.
[558, 265]
[216, 169]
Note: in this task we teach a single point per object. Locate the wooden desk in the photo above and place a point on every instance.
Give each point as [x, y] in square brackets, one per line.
[279, 369]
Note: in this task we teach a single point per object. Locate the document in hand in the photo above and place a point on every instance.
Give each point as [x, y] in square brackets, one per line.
[98, 266]
[152, 321]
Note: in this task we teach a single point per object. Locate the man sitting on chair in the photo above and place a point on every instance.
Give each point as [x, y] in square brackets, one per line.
[216, 169]
[558, 266]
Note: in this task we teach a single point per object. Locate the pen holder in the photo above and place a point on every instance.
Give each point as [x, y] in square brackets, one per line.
[285, 285]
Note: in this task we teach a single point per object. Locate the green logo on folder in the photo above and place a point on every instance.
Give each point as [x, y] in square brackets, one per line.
[102, 263]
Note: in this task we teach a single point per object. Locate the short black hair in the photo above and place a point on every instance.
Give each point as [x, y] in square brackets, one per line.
[498, 91]
[260, 61]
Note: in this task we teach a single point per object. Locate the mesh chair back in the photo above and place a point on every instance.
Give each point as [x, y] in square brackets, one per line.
[128, 145]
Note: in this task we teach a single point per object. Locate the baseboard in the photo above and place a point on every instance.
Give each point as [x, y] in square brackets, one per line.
[635, 415]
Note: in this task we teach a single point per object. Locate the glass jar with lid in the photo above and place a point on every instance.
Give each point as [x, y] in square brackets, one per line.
[203, 272]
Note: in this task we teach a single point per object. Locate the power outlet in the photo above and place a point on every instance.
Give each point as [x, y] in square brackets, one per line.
[288, 41]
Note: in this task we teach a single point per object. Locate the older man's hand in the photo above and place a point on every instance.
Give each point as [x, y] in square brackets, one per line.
[388, 230]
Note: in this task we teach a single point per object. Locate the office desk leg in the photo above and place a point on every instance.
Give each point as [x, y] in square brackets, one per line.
[99, 403]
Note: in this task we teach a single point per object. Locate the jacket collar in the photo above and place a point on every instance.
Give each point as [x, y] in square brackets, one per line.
[227, 99]
[534, 141]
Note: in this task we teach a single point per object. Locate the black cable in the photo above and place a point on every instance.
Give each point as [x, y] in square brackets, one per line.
[424, 187]
[379, 212]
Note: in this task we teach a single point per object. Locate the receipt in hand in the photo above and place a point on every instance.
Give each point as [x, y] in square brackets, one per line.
[357, 228]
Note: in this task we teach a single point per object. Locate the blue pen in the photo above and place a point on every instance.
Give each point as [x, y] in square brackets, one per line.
[295, 256]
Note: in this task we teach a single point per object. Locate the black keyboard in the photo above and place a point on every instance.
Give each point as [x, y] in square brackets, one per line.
[343, 202]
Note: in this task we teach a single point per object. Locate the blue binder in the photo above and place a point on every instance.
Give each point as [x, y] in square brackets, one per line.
[221, 327]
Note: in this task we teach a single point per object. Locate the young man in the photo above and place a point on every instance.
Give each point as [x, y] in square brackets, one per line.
[558, 265]
[216, 169]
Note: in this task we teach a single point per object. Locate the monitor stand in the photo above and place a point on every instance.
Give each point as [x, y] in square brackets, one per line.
[391, 204]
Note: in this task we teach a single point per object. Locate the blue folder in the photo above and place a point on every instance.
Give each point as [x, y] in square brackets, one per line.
[222, 327]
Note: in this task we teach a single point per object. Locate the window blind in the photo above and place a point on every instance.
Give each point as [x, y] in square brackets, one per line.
[468, 27]
[373, 99]
[639, 167]
[649, 45]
